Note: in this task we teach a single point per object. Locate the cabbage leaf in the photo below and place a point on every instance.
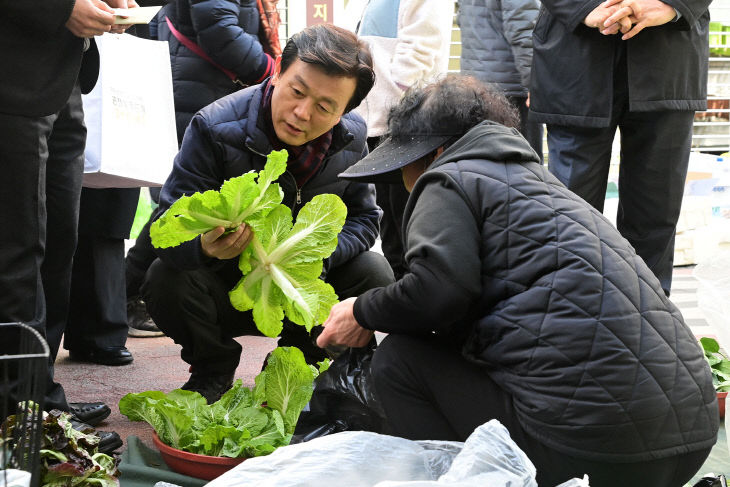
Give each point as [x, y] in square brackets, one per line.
[283, 262]
[242, 423]
[241, 199]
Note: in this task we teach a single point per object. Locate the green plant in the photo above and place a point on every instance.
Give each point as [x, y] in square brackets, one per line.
[282, 264]
[719, 364]
[68, 457]
[241, 199]
[243, 423]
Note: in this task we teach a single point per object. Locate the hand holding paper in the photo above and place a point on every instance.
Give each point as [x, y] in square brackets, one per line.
[138, 15]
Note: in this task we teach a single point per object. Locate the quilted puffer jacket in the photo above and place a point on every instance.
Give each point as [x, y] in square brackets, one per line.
[496, 41]
[226, 140]
[227, 31]
[542, 291]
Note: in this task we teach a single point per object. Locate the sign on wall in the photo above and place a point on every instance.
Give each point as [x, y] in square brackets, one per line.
[319, 12]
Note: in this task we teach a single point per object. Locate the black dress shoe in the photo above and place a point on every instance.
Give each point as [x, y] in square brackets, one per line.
[102, 355]
[91, 413]
[108, 441]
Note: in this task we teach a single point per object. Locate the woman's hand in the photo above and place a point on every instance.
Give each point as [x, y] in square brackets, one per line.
[341, 327]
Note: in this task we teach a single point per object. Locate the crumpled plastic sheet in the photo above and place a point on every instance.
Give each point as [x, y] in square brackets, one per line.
[365, 459]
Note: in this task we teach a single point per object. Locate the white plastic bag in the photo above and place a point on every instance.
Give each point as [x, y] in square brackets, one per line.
[130, 115]
[364, 459]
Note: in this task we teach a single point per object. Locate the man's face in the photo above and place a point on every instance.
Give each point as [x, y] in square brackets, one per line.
[307, 102]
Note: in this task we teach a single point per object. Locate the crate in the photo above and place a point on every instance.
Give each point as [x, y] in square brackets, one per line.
[24, 356]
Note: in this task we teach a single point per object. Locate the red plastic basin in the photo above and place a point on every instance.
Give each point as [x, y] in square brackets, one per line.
[199, 466]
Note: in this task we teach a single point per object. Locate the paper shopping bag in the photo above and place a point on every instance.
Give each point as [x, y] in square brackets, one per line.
[130, 115]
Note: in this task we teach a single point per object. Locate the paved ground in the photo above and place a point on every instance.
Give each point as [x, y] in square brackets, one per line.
[157, 366]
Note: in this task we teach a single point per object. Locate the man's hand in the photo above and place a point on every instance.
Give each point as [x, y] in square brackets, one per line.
[215, 244]
[90, 18]
[341, 327]
[120, 28]
[620, 18]
[644, 13]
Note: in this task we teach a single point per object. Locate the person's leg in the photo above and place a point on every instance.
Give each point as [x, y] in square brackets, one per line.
[139, 258]
[429, 392]
[24, 152]
[97, 322]
[193, 308]
[363, 272]
[580, 158]
[655, 148]
[64, 174]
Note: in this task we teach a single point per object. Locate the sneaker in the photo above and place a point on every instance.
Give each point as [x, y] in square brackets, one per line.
[210, 386]
[139, 321]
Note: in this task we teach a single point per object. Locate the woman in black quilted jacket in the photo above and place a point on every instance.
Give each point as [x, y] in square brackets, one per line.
[523, 304]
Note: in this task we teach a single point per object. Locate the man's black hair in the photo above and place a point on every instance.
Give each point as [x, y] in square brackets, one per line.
[337, 51]
[451, 105]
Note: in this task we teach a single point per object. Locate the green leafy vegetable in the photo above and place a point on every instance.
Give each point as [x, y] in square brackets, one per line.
[69, 457]
[240, 199]
[242, 423]
[719, 364]
[282, 265]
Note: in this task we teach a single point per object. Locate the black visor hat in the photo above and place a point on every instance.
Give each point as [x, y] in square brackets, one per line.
[383, 163]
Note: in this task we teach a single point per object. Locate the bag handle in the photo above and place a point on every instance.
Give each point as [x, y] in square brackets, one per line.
[185, 41]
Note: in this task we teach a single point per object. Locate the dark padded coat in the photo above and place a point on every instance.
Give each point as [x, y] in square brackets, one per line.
[40, 59]
[573, 65]
[542, 291]
[225, 140]
[227, 31]
[496, 41]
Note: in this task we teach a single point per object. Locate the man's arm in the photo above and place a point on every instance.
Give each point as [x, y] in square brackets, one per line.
[518, 22]
[361, 226]
[47, 17]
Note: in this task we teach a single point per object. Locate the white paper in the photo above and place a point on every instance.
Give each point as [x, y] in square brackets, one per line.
[137, 15]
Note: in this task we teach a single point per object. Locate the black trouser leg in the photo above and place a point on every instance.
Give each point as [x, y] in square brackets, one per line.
[139, 258]
[98, 308]
[42, 164]
[192, 308]
[64, 175]
[655, 148]
[430, 392]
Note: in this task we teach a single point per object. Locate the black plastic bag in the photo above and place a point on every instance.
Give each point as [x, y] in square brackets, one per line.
[343, 399]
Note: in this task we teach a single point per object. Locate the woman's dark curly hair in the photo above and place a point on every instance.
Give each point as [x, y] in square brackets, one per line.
[452, 105]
